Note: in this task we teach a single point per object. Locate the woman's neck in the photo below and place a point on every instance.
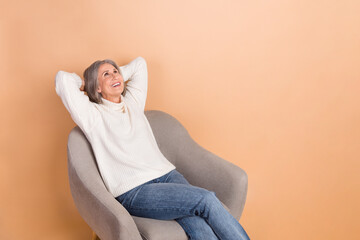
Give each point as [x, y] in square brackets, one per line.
[114, 99]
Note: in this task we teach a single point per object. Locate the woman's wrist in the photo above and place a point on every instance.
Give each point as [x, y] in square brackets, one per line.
[82, 88]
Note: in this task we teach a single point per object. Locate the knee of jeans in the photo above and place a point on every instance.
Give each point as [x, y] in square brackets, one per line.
[207, 202]
[209, 196]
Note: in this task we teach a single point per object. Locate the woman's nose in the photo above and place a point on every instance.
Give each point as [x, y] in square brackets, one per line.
[113, 75]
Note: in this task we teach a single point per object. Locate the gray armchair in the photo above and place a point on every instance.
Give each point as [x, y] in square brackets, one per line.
[110, 221]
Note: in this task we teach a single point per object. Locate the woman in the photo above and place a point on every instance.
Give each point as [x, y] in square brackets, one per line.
[134, 170]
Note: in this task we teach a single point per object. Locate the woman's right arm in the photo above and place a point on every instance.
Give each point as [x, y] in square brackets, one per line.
[82, 111]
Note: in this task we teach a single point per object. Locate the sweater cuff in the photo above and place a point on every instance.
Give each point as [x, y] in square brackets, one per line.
[123, 73]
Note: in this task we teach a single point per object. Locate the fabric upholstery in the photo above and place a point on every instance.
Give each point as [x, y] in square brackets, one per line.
[200, 167]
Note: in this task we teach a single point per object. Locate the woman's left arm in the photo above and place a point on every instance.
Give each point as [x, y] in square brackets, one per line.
[136, 75]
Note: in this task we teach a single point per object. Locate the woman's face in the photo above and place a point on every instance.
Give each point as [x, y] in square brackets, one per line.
[111, 83]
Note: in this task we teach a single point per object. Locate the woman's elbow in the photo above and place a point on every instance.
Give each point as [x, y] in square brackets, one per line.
[141, 61]
[58, 81]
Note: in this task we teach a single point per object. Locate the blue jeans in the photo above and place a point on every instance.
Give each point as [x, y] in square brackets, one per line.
[197, 210]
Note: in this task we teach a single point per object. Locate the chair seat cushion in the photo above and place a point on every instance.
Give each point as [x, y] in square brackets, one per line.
[152, 229]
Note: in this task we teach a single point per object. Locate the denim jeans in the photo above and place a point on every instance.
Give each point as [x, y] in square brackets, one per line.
[197, 210]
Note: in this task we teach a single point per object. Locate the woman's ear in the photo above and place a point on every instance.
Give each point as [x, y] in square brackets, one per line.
[98, 89]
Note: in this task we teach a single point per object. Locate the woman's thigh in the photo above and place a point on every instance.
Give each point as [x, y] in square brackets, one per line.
[168, 197]
[164, 200]
[174, 177]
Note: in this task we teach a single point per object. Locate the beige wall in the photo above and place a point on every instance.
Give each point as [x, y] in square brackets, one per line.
[272, 86]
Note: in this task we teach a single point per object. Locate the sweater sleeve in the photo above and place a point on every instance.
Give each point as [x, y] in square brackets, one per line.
[136, 74]
[82, 111]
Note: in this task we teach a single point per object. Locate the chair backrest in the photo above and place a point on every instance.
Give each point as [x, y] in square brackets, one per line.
[168, 132]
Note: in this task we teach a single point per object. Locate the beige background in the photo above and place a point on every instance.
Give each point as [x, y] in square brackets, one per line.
[272, 86]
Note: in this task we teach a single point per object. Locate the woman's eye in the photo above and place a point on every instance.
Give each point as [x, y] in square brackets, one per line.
[105, 74]
[115, 71]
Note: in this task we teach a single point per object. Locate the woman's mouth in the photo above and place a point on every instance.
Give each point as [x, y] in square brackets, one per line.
[116, 84]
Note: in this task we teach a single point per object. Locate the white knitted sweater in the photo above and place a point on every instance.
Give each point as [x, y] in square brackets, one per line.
[119, 133]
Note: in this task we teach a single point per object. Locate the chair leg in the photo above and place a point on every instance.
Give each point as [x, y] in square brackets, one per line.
[94, 236]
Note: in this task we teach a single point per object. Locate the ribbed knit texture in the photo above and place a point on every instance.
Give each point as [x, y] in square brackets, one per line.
[119, 133]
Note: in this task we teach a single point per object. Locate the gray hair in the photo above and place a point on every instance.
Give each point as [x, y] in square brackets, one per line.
[91, 80]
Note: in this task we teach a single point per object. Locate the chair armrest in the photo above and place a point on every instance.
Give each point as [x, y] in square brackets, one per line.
[204, 169]
[106, 217]
[100, 210]
[199, 166]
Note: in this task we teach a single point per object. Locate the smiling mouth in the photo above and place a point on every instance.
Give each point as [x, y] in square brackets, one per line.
[116, 85]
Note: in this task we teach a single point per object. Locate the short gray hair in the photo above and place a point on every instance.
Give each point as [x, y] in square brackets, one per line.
[91, 79]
